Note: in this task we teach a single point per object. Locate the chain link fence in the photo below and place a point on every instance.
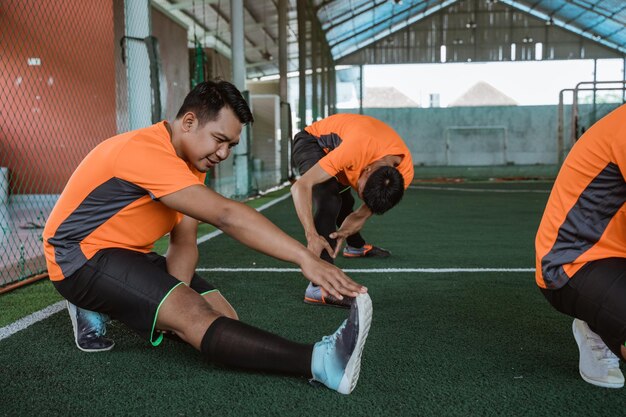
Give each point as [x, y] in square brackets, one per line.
[65, 86]
[57, 101]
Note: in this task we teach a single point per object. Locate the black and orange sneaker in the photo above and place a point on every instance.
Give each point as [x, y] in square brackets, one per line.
[367, 251]
[313, 295]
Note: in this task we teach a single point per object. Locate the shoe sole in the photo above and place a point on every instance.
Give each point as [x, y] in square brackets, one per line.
[75, 329]
[365, 255]
[578, 337]
[353, 368]
[314, 302]
[374, 255]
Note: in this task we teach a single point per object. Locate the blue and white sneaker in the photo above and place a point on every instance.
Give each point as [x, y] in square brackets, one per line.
[336, 360]
[313, 295]
[89, 329]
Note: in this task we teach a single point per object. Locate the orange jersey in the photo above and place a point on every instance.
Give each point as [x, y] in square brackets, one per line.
[111, 200]
[585, 218]
[363, 140]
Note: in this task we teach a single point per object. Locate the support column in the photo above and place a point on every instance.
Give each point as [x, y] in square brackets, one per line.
[329, 81]
[360, 89]
[302, 53]
[241, 155]
[324, 83]
[137, 27]
[285, 134]
[314, 65]
[282, 49]
[333, 88]
[594, 113]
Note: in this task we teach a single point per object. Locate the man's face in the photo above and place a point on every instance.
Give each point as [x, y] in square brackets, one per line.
[208, 145]
[365, 175]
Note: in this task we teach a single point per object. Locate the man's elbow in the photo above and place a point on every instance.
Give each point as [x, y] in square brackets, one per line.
[295, 188]
[230, 215]
[300, 186]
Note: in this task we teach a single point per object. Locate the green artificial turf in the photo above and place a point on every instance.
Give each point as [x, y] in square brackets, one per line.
[22, 301]
[441, 344]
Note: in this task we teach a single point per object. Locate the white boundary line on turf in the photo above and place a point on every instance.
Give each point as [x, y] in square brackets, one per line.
[476, 190]
[44, 313]
[375, 270]
[27, 321]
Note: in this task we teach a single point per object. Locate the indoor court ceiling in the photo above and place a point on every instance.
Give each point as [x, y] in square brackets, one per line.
[351, 26]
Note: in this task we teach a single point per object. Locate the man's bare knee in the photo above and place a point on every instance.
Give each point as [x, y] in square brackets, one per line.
[218, 303]
[186, 313]
[230, 313]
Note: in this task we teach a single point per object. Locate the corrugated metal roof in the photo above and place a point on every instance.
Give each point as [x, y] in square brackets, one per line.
[350, 25]
[603, 21]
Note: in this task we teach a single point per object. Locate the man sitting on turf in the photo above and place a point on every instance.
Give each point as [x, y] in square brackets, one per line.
[581, 248]
[335, 154]
[134, 188]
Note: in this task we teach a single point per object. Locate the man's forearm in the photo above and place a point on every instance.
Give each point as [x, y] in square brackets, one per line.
[302, 201]
[364, 212]
[255, 231]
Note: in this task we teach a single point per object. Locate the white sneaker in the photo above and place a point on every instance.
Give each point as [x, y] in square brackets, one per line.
[597, 365]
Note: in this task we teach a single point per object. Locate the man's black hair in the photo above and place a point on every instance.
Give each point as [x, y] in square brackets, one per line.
[209, 97]
[383, 189]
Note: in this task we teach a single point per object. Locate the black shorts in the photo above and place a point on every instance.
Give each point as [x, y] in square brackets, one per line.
[127, 285]
[597, 295]
[305, 151]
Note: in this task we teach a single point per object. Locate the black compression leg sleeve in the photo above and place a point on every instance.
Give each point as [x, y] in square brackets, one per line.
[233, 343]
[327, 203]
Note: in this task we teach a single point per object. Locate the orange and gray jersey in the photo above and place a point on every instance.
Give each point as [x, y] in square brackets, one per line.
[585, 218]
[354, 141]
[111, 200]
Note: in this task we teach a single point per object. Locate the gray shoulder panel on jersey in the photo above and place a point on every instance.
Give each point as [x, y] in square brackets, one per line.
[330, 141]
[585, 223]
[99, 206]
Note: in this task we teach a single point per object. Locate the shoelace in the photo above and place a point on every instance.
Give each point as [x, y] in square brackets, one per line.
[101, 328]
[333, 337]
[602, 352]
[350, 249]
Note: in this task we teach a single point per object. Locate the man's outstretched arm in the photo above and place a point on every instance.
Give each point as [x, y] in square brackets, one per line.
[254, 230]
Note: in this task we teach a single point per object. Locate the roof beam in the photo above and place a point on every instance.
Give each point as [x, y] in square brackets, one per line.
[195, 28]
[393, 29]
[374, 24]
[323, 4]
[187, 4]
[599, 11]
[565, 25]
[221, 14]
[346, 17]
[352, 16]
[262, 24]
